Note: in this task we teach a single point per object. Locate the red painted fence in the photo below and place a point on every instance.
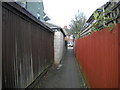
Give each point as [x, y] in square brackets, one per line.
[98, 55]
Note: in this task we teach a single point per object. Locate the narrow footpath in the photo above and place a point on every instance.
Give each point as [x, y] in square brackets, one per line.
[65, 75]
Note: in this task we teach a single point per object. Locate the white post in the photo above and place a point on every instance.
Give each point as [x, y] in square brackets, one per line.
[0, 45]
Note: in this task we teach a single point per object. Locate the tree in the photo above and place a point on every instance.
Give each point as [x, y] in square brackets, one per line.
[102, 20]
[77, 23]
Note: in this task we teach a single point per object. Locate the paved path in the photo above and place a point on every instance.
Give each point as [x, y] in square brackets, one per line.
[65, 75]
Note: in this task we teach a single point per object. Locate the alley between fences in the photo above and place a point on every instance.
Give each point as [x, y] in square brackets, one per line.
[65, 75]
[39, 54]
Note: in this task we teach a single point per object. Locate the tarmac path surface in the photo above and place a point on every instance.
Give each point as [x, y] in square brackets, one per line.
[65, 75]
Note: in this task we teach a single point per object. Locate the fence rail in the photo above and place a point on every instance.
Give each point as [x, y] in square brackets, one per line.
[28, 46]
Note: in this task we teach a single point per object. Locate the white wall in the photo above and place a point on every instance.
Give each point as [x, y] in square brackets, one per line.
[59, 46]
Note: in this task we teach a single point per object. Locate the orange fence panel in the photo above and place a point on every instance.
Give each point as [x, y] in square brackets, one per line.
[98, 55]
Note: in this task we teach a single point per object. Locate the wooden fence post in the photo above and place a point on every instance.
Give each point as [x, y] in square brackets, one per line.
[0, 45]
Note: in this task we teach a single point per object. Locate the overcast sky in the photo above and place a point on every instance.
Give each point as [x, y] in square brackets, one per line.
[62, 11]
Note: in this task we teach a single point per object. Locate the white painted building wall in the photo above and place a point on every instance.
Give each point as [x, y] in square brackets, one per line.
[59, 46]
[59, 42]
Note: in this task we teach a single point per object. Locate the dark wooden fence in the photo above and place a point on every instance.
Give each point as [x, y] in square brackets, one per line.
[28, 47]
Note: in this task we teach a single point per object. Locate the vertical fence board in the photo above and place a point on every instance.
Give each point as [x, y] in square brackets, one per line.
[27, 47]
[98, 55]
[119, 55]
